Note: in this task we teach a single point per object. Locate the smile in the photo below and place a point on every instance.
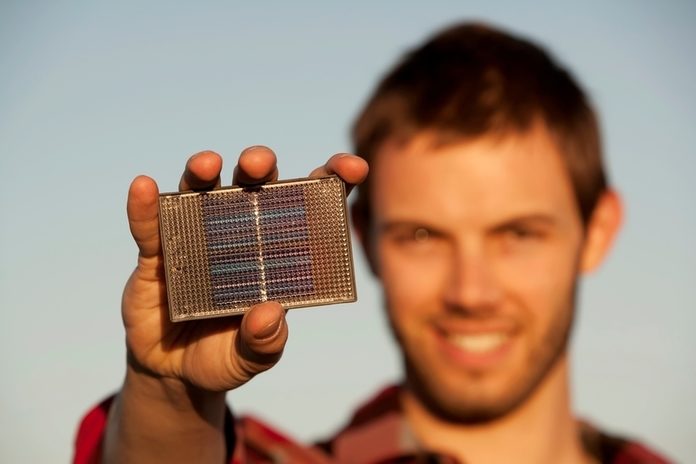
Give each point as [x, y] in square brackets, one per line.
[478, 343]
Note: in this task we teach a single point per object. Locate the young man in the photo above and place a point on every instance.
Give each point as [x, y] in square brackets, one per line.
[486, 201]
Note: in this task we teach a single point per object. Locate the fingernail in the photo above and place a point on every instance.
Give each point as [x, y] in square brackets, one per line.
[270, 330]
[254, 148]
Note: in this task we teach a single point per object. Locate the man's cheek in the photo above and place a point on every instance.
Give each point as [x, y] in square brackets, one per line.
[539, 276]
[409, 282]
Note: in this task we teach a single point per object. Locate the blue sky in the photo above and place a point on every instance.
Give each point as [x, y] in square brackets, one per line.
[94, 93]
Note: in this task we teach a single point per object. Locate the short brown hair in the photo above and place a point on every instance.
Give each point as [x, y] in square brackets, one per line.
[472, 80]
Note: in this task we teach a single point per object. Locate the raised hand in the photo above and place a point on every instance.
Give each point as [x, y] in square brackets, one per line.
[178, 373]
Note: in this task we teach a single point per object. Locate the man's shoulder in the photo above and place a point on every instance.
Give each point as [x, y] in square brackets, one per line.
[380, 420]
[371, 435]
[616, 449]
[375, 431]
[378, 427]
[385, 402]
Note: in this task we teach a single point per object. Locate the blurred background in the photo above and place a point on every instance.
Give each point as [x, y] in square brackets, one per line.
[95, 93]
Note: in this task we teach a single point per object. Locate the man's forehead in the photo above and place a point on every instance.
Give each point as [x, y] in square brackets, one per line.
[499, 175]
[535, 139]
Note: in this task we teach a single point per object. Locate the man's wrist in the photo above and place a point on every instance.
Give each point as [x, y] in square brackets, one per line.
[172, 393]
[160, 418]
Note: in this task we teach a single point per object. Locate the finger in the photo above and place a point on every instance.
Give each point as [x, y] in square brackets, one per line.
[352, 169]
[263, 334]
[256, 165]
[202, 172]
[142, 209]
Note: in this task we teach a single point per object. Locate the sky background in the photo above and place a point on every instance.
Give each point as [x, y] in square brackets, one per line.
[94, 93]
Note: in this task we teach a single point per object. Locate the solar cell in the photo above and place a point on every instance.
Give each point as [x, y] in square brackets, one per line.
[228, 249]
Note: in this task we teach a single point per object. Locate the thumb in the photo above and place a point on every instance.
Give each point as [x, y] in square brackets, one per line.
[263, 333]
[143, 214]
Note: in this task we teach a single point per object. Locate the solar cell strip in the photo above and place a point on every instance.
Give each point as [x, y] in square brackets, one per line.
[287, 256]
[233, 248]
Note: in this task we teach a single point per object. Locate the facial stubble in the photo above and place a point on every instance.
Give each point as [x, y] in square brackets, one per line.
[469, 409]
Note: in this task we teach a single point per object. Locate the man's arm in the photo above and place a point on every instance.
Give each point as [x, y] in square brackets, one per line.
[155, 420]
[171, 407]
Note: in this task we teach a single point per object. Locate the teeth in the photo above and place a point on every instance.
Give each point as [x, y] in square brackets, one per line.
[478, 343]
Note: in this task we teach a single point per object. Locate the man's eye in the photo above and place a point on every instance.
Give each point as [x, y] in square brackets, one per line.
[421, 235]
[417, 236]
[521, 233]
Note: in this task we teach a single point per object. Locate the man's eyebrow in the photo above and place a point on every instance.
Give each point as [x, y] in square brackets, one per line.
[401, 224]
[537, 219]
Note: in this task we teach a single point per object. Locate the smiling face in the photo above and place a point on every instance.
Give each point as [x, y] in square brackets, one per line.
[478, 247]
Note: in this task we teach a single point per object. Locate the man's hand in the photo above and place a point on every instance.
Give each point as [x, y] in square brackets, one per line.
[178, 372]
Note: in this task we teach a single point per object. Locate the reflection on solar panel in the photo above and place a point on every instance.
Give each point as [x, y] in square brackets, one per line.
[228, 249]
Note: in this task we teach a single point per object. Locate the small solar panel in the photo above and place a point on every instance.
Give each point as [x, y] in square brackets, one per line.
[228, 249]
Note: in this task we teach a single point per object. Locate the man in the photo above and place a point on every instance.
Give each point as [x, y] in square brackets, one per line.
[486, 201]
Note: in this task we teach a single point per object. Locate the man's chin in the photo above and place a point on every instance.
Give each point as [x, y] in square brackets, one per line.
[484, 399]
[466, 408]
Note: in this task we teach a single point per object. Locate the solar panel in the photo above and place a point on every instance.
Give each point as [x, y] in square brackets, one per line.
[228, 249]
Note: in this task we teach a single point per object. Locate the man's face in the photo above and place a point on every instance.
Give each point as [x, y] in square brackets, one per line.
[477, 245]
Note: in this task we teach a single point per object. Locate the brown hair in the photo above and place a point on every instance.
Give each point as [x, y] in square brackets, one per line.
[472, 80]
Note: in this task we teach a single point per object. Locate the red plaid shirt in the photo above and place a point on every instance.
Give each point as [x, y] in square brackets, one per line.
[377, 434]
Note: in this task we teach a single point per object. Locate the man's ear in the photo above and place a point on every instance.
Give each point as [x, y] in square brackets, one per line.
[361, 224]
[601, 230]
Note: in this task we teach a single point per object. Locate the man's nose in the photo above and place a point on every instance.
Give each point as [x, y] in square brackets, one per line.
[472, 286]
